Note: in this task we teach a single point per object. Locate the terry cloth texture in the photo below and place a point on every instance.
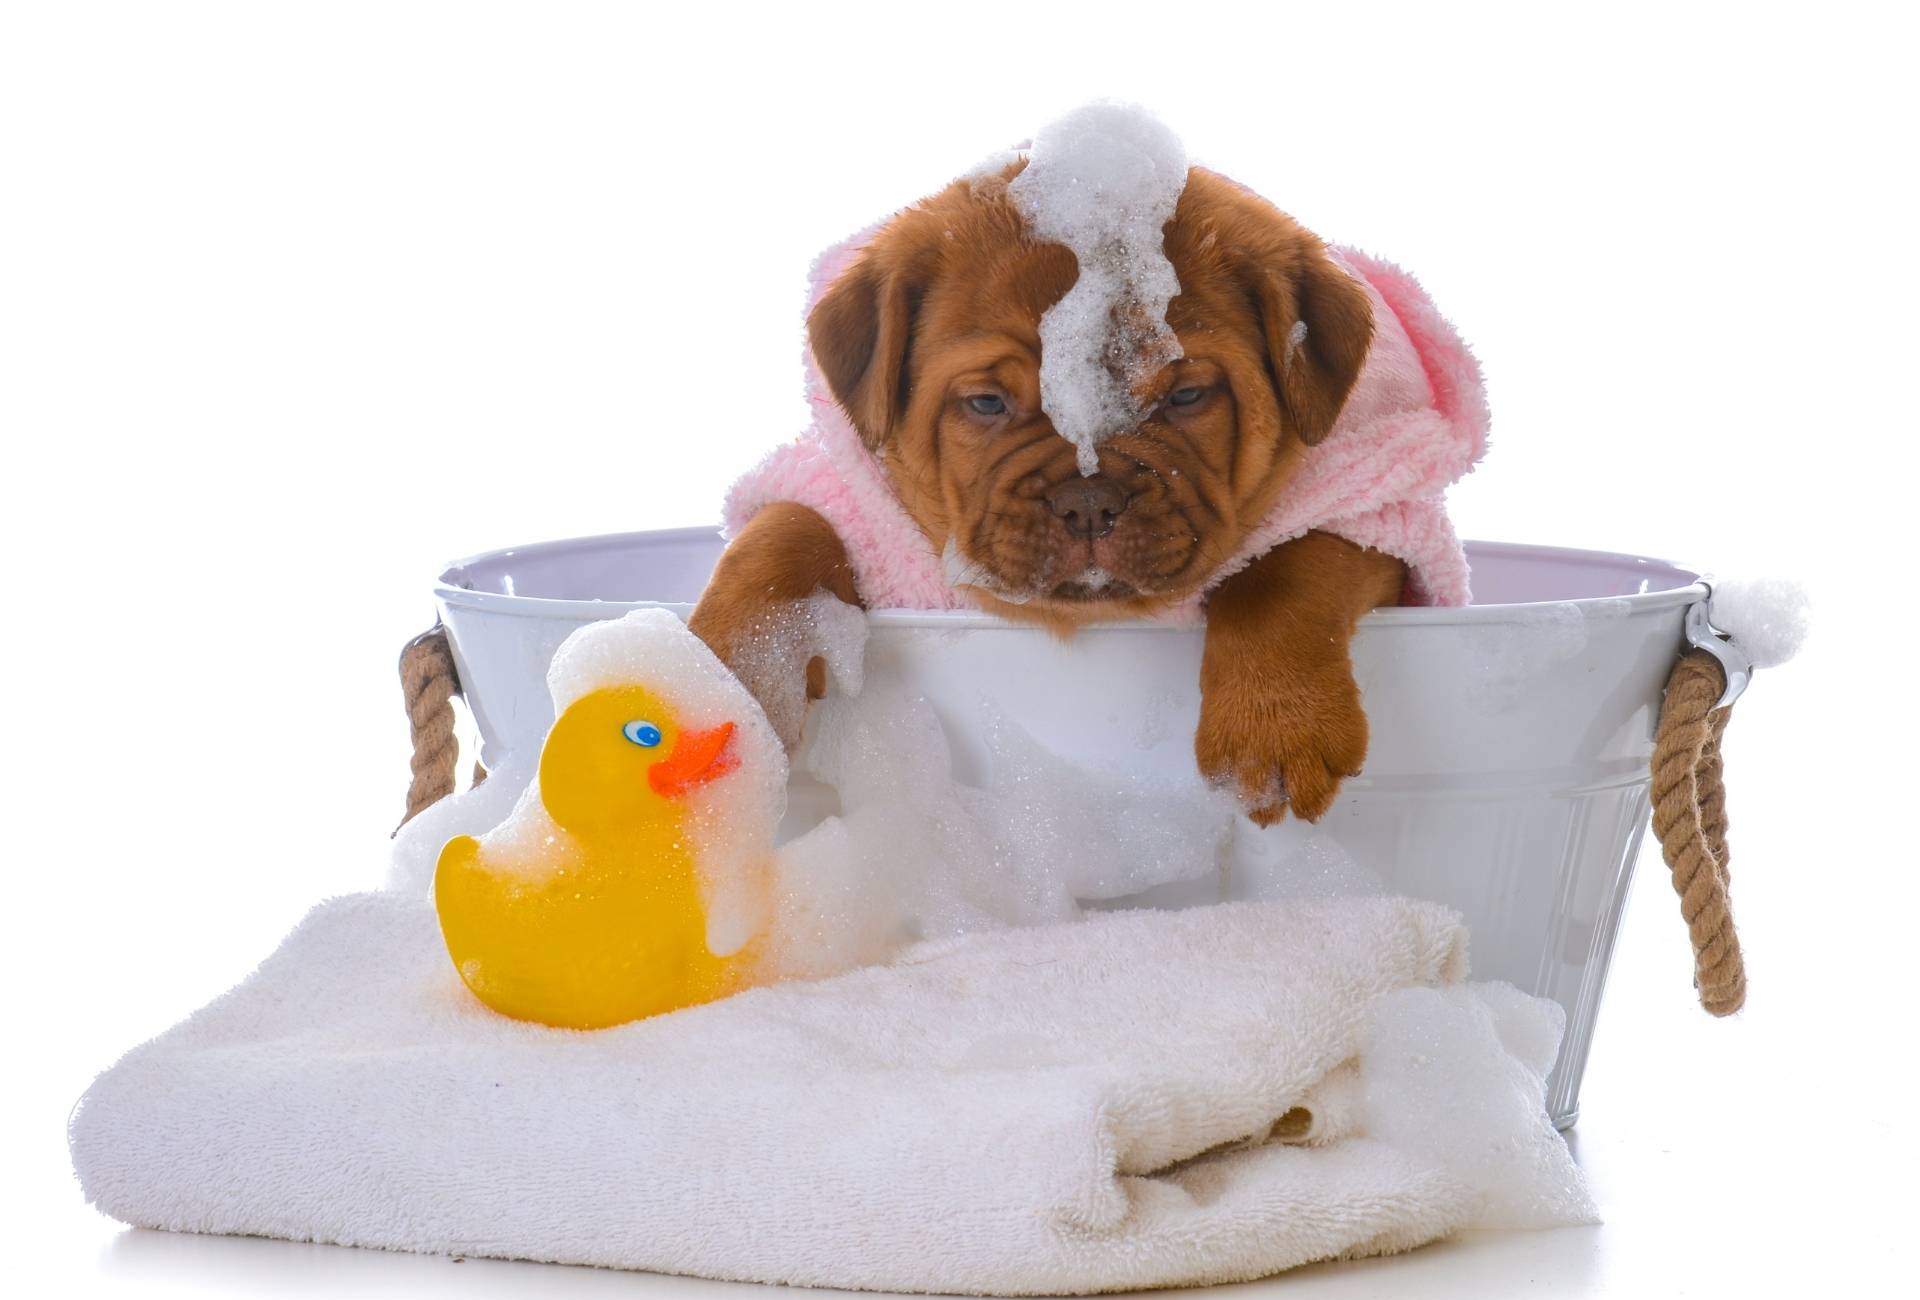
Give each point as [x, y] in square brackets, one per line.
[1143, 1099]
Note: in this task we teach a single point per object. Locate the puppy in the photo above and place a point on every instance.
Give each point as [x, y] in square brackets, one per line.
[930, 342]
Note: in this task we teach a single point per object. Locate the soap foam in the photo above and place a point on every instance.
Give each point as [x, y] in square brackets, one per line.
[916, 854]
[771, 657]
[1104, 180]
[1294, 859]
[1456, 1075]
[1505, 660]
[417, 845]
[1766, 617]
[988, 169]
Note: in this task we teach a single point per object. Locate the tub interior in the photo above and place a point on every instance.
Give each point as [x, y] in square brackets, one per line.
[671, 566]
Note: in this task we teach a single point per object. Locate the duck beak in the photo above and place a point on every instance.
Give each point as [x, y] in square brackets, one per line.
[697, 758]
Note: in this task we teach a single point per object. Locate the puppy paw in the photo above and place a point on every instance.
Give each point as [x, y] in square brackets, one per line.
[1282, 742]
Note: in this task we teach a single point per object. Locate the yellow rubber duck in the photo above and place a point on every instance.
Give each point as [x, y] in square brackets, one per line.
[624, 882]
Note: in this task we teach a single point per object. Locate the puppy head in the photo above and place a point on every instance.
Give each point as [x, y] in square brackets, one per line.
[931, 343]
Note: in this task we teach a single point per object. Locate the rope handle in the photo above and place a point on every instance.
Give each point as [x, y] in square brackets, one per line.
[429, 681]
[1690, 820]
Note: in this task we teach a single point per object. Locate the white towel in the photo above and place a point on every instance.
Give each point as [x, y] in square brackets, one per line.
[1142, 1099]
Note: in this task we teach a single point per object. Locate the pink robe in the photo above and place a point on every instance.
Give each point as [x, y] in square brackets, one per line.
[1415, 422]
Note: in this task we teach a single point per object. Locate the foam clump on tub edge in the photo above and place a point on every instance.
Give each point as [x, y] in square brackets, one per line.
[1104, 180]
[1766, 617]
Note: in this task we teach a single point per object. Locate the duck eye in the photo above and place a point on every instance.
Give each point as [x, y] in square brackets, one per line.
[987, 404]
[642, 733]
[1185, 396]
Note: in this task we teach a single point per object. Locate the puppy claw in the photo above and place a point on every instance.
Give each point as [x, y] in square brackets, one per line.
[1264, 799]
[1270, 815]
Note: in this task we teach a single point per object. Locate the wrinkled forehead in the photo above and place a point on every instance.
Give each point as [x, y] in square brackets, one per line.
[1000, 285]
[1006, 289]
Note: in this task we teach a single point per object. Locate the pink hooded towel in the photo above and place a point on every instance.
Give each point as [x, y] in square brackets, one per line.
[1415, 422]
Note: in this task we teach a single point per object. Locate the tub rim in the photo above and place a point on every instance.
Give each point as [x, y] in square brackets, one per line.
[447, 591]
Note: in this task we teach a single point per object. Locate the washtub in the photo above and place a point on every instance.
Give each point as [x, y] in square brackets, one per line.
[1508, 770]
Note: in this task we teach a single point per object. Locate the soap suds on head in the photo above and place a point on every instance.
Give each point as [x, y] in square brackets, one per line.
[990, 167]
[1104, 180]
[1295, 337]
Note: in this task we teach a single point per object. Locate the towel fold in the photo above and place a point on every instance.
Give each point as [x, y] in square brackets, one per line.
[1141, 1099]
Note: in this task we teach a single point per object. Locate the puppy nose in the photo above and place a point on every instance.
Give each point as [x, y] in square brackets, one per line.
[1088, 506]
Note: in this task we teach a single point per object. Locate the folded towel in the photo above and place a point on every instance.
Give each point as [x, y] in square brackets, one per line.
[1141, 1099]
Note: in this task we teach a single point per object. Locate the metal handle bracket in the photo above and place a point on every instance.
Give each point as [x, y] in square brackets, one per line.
[1703, 635]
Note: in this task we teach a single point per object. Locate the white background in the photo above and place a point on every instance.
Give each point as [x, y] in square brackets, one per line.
[297, 302]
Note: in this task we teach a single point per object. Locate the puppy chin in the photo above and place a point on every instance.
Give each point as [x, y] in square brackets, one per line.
[1091, 594]
[1093, 585]
[1073, 605]
[1065, 617]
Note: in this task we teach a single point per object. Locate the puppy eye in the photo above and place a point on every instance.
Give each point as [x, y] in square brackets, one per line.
[642, 733]
[1185, 396]
[987, 404]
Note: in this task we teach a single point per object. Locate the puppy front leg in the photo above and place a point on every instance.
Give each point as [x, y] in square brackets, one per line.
[1280, 716]
[753, 613]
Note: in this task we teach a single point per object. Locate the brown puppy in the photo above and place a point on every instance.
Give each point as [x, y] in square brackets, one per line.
[930, 341]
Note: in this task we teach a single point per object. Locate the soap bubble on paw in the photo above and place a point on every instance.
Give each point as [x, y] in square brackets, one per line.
[771, 658]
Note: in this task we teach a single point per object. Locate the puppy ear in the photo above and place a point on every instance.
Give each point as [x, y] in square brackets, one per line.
[859, 332]
[1318, 324]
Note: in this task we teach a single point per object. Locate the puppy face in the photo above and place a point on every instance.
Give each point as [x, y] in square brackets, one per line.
[931, 342]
